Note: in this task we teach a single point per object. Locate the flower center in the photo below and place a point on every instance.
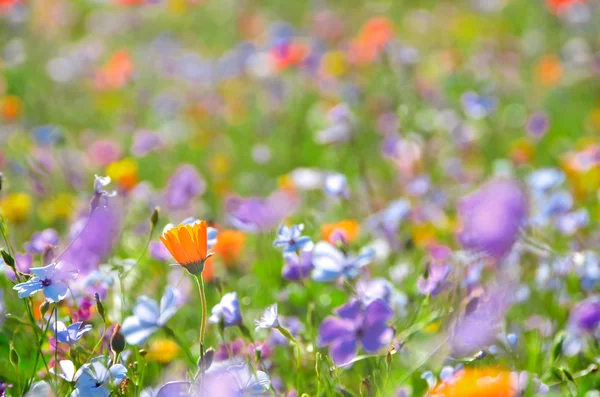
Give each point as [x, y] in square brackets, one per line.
[46, 282]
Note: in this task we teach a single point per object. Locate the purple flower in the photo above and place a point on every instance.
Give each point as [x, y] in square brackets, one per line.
[297, 267]
[537, 124]
[40, 240]
[256, 214]
[145, 142]
[356, 323]
[159, 252]
[99, 193]
[434, 280]
[331, 263]
[3, 387]
[93, 238]
[50, 279]
[477, 106]
[481, 322]
[492, 217]
[228, 311]
[292, 240]
[183, 187]
[70, 334]
[585, 316]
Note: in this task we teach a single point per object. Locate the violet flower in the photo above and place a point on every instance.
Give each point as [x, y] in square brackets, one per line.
[297, 267]
[492, 217]
[40, 240]
[434, 280]
[356, 324]
[258, 214]
[184, 186]
[585, 316]
[227, 311]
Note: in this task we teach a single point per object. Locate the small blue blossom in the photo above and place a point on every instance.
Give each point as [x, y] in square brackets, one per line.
[336, 185]
[228, 311]
[292, 240]
[94, 378]
[330, 263]
[70, 334]
[269, 318]
[50, 279]
[148, 317]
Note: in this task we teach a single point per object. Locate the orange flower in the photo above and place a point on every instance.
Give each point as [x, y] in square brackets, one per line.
[348, 229]
[116, 72]
[549, 70]
[188, 245]
[11, 107]
[486, 382]
[229, 246]
[559, 6]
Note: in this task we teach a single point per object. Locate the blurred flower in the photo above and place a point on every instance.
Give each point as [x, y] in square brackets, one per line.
[50, 279]
[94, 379]
[116, 72]
[124, 172]
[163, 351]
[292, 240]
[40, 240]
[58, 207]
[189, 245]
[145, 142]
[229, 246]
[70, 334]
[434, 280]
[356, 323]
[477, 106]
[560, 6]
[341, 124]
[148, 317]
[11, 107]
[478, 382]
[336, 185]
[104, 152]
[482, 320]
[46, 135]
[330, 263]
[297, 266]
[269, 318]
[227, 311]
[537, 125]
[346, 230]
[184, 186]
[585, 316]
[16, 207]
[386, 222]
[549, 70]
[260, 214]
[491, 217]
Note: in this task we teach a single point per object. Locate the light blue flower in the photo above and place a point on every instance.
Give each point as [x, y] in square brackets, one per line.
[336, 185]
[331, 263]
[148, 317]
[50, 279]
[94, 379]
[292, 240]
[545, 179]
[269, 318]
[211, 232]
[70, 334]
[228, 311]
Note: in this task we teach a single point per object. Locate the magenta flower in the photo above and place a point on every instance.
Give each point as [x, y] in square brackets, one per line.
[356, 324]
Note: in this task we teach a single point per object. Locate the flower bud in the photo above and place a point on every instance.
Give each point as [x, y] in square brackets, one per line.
[117, 342]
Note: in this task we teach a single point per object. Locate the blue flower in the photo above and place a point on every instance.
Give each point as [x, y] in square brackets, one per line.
[336, 185]
[228, 311]
[331, 263]
[148, 317]
[297, 267]
[94, 378]
[478, 106]
[292, 240]
[269, 318]
[50, 279]
[70, 334]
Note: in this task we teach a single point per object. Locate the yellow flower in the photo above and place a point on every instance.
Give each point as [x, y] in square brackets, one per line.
[162, 351]
[16, 207]
[334, 63]
[188, 244]
[59, 207]
[124, 172]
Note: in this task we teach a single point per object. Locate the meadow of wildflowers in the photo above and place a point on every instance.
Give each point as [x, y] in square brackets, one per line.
[299, 198]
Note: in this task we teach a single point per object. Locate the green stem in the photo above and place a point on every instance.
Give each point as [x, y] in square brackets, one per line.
[200, 282]
[39, 352]
[182, 345]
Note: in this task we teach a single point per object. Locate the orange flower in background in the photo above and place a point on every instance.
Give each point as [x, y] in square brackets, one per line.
[559, 6]
[377, 32]
[188, 244]
[289, 55]
[116, 72]
[10, 107]
[549, 70]
[125, 172]
[583, 170]
[486, 382]
[348, 229]
[229, 246]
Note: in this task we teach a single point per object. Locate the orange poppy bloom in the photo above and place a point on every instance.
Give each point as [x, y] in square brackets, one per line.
[188, 245]
[558, 6]
[348, 228]
[482, 382]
